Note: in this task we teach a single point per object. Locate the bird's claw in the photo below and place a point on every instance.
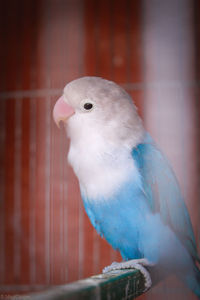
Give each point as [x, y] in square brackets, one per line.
[138, 264]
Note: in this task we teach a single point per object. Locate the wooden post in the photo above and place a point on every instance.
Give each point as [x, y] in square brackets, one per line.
[115, 285]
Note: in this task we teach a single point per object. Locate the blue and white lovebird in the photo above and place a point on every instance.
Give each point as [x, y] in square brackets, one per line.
[129, 191]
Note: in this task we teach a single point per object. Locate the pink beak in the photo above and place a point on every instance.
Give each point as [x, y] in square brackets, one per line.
[62, 111]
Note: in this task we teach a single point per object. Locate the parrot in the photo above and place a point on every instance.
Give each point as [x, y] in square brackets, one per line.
[129, 190]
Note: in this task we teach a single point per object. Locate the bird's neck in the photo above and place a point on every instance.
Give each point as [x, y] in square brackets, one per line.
[100, 166]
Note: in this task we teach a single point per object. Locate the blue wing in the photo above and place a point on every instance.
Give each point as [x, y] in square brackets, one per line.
[163, 193]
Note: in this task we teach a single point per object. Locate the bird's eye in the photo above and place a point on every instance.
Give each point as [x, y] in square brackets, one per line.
[88, 106]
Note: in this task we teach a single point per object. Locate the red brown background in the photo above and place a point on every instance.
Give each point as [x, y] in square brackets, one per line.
[45, 235]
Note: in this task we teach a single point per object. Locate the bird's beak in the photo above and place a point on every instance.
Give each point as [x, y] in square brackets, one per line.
[62, 111]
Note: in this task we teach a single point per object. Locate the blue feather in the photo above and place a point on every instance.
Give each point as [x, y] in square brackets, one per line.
[147, 217]
[112, 217]
[163, 193]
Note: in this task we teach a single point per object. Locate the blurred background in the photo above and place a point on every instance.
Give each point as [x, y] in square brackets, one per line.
[149, 47]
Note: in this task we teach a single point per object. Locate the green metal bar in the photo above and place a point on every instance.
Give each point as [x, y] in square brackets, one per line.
[115, 285]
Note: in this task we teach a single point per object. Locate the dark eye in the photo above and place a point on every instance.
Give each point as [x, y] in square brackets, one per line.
[88, 106]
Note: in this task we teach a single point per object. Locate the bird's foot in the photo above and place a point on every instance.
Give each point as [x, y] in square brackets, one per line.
[138, 264]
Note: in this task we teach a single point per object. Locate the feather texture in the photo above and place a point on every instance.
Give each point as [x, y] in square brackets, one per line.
[146, 216]
[162, 192]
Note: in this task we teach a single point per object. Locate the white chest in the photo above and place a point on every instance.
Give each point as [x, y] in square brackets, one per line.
[100, 168]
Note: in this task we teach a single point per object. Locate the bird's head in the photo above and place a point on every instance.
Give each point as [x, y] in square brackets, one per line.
[92, 105]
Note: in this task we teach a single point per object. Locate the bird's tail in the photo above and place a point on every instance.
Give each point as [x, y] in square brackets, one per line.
[193, 281]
